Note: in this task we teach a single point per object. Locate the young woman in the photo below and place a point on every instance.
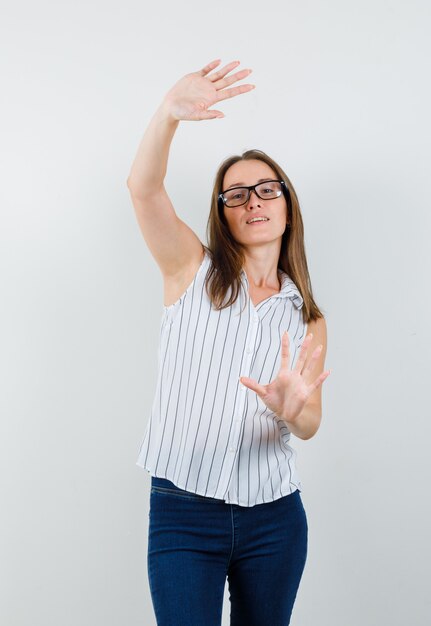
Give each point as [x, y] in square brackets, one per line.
[241, 358]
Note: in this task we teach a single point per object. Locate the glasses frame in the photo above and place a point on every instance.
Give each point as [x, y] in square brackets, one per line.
[253, 188]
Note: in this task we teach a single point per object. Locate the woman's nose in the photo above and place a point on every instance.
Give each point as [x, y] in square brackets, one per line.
[253, 199]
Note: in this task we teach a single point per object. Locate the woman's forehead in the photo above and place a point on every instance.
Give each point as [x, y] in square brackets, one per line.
[247, 173]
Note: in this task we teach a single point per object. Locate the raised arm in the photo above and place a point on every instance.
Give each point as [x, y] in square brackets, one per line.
[173, 244]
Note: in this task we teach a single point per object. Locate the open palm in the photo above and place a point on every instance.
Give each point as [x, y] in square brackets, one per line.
[287, 394]
[192, 95]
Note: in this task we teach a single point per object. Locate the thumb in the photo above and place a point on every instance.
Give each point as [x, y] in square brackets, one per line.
[209, 115]
[252, 384]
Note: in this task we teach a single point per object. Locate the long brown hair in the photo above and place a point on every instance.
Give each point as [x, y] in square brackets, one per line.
[227, 254]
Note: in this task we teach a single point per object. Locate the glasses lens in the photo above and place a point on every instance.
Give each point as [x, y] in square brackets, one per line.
[235, 197]
[270, 189]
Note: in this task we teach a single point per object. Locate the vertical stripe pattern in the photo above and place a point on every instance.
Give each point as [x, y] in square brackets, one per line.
[207, 433]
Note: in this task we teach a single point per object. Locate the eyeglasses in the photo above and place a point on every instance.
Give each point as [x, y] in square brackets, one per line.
[237, 196]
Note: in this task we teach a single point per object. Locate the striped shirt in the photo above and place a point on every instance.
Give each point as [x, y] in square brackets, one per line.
[208, 433]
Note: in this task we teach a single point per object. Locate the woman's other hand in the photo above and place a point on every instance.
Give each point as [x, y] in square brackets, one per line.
[190, 98]
[288, 393]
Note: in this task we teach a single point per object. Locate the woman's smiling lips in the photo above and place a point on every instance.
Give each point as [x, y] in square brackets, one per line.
[258, 221]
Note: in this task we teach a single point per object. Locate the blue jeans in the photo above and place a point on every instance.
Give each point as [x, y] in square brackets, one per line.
[195, 542]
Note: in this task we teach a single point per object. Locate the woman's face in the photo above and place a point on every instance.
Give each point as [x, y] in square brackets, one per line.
[245, 173]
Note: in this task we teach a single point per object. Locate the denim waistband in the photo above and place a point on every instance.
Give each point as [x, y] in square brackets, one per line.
[157, 481]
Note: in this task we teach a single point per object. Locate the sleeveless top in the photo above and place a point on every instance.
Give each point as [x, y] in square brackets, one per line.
[207, 433]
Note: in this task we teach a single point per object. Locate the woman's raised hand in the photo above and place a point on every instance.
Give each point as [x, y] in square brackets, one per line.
[191, 97]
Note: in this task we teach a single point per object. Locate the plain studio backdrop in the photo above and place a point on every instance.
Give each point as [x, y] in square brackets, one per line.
[342, 101]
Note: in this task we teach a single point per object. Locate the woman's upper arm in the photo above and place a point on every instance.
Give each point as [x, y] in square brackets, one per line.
[173, 244]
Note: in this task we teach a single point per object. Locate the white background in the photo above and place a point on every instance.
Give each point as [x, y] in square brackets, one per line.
[342, 101]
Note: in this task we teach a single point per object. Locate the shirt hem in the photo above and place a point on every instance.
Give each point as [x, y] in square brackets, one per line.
[227, 501]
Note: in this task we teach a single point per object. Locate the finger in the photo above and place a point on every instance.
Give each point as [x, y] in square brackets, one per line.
[253, 385]
[303, 353]
[234, 91]
[209, 67]
[285, 351]
[228, 80]
[209, 115]
[311, 365]
[223, 71]
[319, 380]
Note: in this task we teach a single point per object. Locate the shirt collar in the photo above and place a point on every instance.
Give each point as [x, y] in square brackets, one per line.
[288, 289]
